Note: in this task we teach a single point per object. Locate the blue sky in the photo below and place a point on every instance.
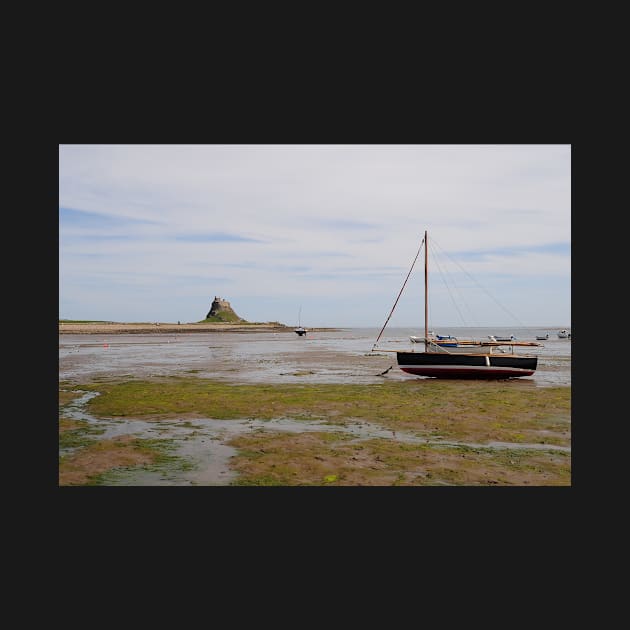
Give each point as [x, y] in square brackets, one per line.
[154, 232]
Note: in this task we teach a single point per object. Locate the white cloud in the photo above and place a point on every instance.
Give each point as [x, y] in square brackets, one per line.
[330, 221]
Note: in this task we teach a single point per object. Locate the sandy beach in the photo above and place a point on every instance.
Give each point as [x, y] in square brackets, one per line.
[99, 328]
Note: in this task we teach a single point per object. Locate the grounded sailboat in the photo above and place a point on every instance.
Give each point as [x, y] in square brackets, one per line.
[300, 330]
[482, 359]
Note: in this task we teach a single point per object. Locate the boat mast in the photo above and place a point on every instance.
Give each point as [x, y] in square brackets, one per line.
[426, 284]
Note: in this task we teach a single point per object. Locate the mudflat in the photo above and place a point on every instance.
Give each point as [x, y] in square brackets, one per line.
[192, 431]
[278, 409]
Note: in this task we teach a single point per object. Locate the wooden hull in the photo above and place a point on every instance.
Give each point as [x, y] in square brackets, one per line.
[466, 365]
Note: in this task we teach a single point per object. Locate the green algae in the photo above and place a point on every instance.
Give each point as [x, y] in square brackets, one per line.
[470, 411]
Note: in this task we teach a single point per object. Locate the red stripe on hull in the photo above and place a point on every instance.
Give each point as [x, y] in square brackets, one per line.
[464, 372]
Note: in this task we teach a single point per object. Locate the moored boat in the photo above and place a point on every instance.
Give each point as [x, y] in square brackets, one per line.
[453, 358]
[443, 340]
[483, 364]
[300, 330]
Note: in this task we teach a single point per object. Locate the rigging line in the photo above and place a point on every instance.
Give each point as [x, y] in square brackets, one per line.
[488, 293]
[459, 293]
[399, 294]
[437, 264]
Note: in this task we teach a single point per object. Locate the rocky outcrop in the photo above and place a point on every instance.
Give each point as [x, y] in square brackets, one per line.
[222, 311]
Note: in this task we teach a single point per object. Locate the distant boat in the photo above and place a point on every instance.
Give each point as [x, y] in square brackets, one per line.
[495, 338]
[300, 330]
[446, 341]
[456, 345]
[416, 339]
[542, 337]
[468, 359]
[564, 334]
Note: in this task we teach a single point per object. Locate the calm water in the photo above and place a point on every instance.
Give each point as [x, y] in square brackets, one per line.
[343, 356]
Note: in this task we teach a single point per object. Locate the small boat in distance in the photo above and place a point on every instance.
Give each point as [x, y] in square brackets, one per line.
[464, 359]
[447, 341]
[441, 339]
[495, 338]
[300, 330]
[564, 334]
[542, 337]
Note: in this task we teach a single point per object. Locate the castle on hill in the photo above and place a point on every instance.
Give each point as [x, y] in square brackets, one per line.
[221, 310]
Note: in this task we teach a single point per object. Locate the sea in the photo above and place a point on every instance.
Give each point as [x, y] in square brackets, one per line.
[343, 355]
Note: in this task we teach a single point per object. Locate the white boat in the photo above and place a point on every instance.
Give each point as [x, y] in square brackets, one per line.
[564, 334]
[416, 339]
[469, 359]
[542, 337]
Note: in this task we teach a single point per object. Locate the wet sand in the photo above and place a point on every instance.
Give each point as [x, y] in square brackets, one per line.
[169, 328]
[272, 357]
[211, 446]
[238, 357]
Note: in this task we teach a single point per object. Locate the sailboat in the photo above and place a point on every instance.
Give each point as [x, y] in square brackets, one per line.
[485, 359]
[300, 330]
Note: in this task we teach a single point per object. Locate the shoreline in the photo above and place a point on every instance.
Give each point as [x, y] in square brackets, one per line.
[169, 328]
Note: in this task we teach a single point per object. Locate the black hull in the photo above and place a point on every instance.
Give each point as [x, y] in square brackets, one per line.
[465, 365]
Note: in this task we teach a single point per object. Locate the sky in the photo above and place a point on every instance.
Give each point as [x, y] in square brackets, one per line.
[321, 233]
